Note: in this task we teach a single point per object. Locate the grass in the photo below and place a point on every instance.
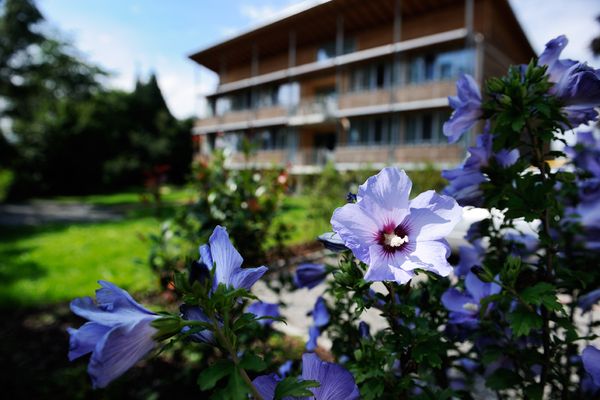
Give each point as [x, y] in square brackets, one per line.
[54, 263]
[57, 262]
[294, 214]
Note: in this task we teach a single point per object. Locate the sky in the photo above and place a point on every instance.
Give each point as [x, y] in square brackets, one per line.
[132, 38]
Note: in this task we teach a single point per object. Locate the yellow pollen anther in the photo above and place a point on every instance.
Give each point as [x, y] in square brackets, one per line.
[393, 240]
[470, 306]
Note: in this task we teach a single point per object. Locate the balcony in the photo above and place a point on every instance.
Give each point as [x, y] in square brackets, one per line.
[314, 111]
[402, 94]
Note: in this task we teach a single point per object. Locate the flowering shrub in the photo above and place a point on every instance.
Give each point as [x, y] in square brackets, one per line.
[504, 322]
[246, 201]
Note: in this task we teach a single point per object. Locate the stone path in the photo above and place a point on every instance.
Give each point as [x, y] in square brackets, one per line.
[43, 212]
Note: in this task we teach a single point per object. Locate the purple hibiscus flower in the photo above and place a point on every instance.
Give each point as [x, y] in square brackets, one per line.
[220, 254]
[587, 301]
[464, 306]
[119, 333]
[321, 317]
[468, 257]
[591, 363]
[464, 182]
[335, 381]
[332, 241]
[262, 309]
[309, 275]
[586, 153]
[576, 84]
[467, 108]
[394, 235]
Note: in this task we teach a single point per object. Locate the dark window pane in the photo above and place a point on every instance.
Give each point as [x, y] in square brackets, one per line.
[427, 129]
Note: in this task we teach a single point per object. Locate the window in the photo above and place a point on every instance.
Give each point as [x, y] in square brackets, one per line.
[288, 94]
[425, 127]
[374, 131]
[326, 51]
[445, 65]
[329, 49]
[429, 67]
[372, 76]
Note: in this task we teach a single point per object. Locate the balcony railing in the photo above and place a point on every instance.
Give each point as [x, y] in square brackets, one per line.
[440, 154]
[321, 109]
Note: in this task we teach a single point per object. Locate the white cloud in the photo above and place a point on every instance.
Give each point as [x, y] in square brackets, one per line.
[543, 20]
[257, 13]
[118, 49]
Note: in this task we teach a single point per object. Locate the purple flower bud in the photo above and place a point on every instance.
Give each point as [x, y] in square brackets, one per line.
[309, 275]
[467, 108]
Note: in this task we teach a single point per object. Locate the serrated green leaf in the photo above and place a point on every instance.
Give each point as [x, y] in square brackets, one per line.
[252, 362]
[213, 374]
[542, 293]
[291, 386]
[522, 321]
[502, 378]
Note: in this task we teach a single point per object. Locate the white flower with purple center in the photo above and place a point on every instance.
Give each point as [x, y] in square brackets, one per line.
[393, 235]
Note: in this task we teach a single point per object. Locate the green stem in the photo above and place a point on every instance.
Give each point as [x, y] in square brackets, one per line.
[228, 346]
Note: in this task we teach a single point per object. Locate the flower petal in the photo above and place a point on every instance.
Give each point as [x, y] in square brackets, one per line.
[110, 297]
[224, 255]
[83, 340]
[266, 385]
[336, 382]
[431, 256]
[320, 313]
[119, 350]
[246, 277]
[390, 189]
[380, 268]
[433, 216]
[454, 300]
[313, 335]
[309, 275]
[591, 362]
[357, 229]
[262, 309]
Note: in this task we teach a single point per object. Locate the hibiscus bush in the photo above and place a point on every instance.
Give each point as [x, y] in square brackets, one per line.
[512, 319]
[244, 200]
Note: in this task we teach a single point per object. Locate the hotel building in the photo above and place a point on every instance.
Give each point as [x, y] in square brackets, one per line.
[356, 82]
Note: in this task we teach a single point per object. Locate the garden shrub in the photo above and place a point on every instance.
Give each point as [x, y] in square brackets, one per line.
[502, 323]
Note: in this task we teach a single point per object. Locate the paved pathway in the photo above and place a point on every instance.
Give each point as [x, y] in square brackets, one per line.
[43, 212]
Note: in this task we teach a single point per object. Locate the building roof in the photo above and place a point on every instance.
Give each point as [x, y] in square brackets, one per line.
[315, 21]
[312, 20]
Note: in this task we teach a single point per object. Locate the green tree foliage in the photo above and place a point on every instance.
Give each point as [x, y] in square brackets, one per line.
[69, 135]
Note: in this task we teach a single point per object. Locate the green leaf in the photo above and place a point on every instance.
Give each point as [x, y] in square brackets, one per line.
[502, 378]
[291, 386]
[237, 388]
[534, 391]
[243, 321]
[542, 293]
[522, 321]
[213, 374]
[252, 362]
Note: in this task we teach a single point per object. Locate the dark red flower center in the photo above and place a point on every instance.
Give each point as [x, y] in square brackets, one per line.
[393, 238]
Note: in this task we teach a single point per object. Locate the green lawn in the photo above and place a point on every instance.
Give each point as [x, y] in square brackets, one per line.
[58, 262]
[294, 214]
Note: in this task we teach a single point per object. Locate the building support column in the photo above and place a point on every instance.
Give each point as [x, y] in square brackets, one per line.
[469, 16]
[396, 78]
[254, 89]
[339, 50]
[292, 135]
